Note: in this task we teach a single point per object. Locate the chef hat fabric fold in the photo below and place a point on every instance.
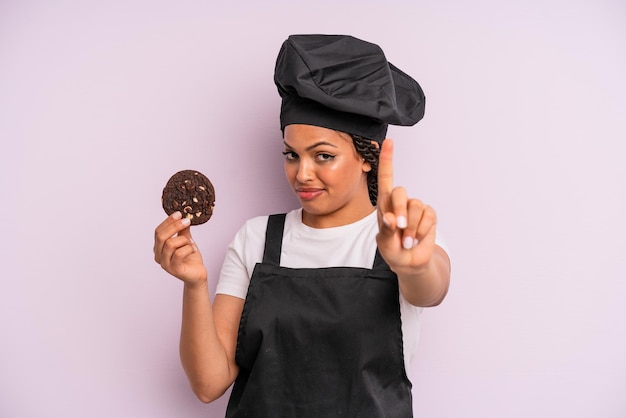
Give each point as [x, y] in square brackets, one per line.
[344, 83]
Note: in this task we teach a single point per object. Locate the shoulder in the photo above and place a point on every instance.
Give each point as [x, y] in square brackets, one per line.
[258, 222]
[252, 232]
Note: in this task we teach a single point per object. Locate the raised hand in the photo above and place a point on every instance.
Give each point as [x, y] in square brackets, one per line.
[407, 226]
[176, 252]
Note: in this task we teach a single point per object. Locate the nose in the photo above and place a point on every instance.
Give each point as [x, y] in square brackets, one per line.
[305, 171]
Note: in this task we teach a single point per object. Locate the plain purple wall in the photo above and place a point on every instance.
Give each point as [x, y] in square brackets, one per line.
[521, 152]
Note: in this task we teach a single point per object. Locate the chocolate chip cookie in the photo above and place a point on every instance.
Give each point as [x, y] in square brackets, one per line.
[191, 193]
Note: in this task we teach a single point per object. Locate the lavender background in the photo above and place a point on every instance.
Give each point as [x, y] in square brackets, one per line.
[521, 153]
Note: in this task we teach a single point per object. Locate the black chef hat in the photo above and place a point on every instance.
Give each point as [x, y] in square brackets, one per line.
[343, 83]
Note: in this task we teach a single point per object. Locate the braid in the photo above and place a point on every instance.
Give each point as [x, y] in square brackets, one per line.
[370, 153]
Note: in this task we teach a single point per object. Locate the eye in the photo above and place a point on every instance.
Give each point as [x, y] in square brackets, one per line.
[290, 155]
[325, 157]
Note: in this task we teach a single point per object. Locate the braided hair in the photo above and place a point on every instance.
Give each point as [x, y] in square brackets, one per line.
[370, 152]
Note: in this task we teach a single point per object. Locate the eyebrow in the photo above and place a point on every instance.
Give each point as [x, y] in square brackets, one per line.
[317, 144]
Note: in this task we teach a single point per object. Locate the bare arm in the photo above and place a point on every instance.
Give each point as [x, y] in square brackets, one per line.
[208, 341]
[209, 332]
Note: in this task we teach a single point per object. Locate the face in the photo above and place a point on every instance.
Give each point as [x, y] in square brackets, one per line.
[327, 175]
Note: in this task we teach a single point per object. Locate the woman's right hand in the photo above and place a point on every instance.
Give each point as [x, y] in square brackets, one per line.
[176, 253]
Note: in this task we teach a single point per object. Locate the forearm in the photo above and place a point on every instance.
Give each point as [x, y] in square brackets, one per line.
[203, 355]
[428, 286]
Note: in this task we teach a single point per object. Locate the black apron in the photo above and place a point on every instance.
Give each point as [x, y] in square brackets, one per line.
[319, 343]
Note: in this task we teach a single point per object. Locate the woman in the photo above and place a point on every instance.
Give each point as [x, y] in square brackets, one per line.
[315, 310]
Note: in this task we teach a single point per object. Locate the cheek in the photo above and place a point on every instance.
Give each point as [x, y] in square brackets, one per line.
[289, 171]
[340, 174]
[330, 174]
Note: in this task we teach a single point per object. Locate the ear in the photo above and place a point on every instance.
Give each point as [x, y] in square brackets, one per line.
[367, 166]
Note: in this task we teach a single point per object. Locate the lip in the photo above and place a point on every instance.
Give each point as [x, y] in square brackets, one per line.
[308, 193]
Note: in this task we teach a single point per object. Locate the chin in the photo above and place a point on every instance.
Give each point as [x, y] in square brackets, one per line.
[313, 209]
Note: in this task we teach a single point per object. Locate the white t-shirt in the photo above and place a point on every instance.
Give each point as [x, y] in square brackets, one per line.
[352, 245]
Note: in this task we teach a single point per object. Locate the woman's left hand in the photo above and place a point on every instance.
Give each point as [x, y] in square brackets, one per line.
[407, 226]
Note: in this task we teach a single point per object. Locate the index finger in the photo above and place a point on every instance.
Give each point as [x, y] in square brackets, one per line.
[385, 174]
[171, 226]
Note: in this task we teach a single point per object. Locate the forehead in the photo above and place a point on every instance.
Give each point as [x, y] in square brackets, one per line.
[306, 135]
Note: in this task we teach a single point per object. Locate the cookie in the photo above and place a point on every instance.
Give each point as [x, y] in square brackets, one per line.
[191, 193]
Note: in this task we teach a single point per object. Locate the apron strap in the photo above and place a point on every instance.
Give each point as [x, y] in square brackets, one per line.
[274, 243]
[379, 262]
[274, 239]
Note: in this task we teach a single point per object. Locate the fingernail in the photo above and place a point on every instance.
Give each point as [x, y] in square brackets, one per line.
[415, 242]
[386, 221]
[407, 243]
[186, 221]
[401, 222]
[177, 215]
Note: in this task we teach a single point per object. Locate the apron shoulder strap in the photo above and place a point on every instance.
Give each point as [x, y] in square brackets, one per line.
[274, 239]
[379, 262]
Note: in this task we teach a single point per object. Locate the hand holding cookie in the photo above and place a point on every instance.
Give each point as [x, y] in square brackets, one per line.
[176, 252]
[188, 198]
